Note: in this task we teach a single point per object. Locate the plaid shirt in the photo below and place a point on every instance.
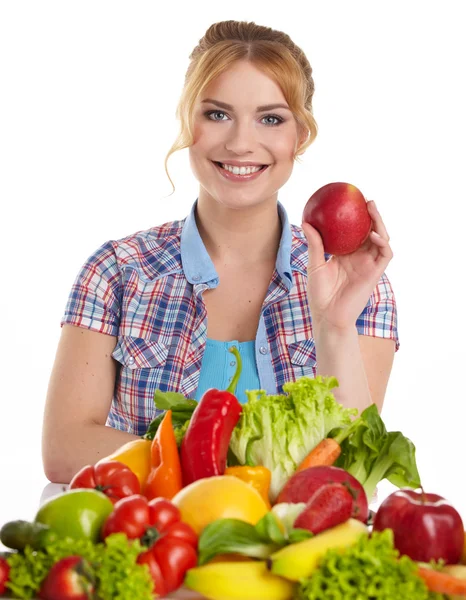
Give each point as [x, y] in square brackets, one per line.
[146, 290]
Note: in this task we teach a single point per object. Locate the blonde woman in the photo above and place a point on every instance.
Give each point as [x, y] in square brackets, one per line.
[160, 308]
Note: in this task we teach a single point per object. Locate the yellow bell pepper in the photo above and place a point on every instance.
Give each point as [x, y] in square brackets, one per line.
[137, 456]
[259, 477]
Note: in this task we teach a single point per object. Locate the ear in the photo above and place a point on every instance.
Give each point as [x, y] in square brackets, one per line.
[304, 135]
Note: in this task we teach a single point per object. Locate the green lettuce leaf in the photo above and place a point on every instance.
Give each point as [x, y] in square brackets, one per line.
[372, 454]
[278, 431]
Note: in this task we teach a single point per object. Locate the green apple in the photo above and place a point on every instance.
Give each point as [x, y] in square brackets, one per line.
[78, 513]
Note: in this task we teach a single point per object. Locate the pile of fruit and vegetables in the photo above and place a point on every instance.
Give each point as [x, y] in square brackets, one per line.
[265, 500]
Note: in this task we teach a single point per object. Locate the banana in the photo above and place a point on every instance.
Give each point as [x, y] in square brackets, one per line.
[238, 580]
[301, 559]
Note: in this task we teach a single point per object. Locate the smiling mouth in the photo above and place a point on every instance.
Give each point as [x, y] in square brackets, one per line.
[245, 172]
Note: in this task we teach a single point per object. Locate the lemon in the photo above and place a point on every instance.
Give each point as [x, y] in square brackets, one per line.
[219, 497]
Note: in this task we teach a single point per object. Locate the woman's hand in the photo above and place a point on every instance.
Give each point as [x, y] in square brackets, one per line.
[339, 289]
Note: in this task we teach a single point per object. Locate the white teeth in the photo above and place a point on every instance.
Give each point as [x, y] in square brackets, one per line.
[240, 170]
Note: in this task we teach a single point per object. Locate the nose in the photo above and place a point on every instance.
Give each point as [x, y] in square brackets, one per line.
[241, 138]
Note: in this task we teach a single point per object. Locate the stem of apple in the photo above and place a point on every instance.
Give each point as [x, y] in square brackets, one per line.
[423, 496]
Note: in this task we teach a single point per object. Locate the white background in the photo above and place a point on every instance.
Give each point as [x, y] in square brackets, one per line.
[88, 92]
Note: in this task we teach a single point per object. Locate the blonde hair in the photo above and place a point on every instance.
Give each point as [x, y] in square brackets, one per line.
[272, 51]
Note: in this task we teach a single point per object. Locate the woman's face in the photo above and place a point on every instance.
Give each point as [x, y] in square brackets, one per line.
[245, 138]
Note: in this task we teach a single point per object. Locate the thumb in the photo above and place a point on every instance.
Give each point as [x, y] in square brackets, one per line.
[316, 246]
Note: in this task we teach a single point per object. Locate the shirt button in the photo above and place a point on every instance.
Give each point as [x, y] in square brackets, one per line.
[263, 350]
[196, 277]
[232, 364]
[131, 360]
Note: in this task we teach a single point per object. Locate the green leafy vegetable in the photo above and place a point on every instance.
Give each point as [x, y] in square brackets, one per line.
[233, 536]
[371, 454]
[182, 409]
[279, 431]
[371, 569]
[118, 576]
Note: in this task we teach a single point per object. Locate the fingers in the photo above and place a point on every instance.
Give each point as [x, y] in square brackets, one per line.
[378, 224]
[316, 247]
[379, 235]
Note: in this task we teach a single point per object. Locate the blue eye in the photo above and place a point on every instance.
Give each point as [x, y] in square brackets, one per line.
[277, 120]
[211, 114]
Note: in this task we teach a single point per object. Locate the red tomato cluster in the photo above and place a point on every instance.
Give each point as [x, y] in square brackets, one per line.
[171, 544]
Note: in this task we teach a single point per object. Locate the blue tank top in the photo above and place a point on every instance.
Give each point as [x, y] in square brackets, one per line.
[219, 366]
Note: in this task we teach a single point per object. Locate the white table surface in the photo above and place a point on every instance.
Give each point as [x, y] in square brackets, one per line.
[22, 494]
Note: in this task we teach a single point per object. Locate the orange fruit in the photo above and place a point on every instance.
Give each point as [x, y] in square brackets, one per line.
[219, 497]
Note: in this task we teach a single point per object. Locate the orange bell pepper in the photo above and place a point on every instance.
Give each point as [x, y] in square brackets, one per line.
[258, 477]
[164, 479]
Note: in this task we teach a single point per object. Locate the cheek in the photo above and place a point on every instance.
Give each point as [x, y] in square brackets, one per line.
[285, 146]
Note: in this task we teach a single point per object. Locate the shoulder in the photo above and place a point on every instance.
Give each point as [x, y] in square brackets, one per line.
[153, 251]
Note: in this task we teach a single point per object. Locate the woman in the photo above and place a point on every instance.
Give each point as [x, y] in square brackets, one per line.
[159, 309]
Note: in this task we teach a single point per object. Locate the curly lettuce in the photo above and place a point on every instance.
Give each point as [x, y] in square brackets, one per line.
[278, 431]
[371, 569]
[118, 576]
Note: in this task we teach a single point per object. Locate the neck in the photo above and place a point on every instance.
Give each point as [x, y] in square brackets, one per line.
[239, 236]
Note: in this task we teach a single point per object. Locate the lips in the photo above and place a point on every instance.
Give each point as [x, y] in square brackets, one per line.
[238, 177]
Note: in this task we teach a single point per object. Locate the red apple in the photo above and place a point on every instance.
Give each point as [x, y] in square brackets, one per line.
[425, 526]
[301, 486]
[339, 213]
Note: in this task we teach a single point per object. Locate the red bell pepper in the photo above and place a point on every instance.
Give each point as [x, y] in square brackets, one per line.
[171, 544]
[113, 478]
[205, 444]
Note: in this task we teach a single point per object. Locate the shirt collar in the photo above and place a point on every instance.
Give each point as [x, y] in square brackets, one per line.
[198, 266]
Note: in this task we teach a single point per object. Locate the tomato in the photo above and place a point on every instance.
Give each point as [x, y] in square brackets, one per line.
[171, 544]
[4, 574]
[173, 557]
[137, 517]
[113, 478]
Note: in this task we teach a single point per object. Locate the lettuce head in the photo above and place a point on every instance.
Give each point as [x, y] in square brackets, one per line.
[278, 431]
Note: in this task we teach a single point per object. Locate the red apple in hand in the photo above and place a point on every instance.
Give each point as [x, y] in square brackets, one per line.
[339, 213]
[425, 526]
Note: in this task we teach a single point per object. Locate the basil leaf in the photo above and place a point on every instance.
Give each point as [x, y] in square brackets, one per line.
[182, 410]
[269, 529]
[167, 400]
[229, 536]
[299, 535]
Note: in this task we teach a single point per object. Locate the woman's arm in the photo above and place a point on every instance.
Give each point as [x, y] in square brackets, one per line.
[339, 290]
[362, 365]
[78, 401]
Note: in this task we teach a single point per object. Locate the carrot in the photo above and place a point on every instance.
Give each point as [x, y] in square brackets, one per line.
[164, 478]
[325, 453]
[443, 583]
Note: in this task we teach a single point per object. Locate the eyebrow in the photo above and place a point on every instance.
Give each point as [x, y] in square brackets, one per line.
[259, 108]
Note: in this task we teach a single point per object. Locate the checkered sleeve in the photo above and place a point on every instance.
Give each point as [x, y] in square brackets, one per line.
[94, 300]
[379, 317]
